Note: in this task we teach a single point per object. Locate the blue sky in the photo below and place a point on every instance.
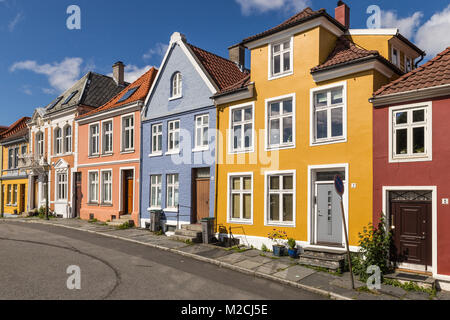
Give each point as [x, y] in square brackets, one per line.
[40, 57]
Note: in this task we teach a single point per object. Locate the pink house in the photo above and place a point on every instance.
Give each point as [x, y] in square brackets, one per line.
[109, 155]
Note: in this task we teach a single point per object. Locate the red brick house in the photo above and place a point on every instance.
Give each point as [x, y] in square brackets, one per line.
[411, 156]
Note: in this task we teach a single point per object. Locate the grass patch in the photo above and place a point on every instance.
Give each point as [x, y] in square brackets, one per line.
[364, 289]
[93, 221]
[411, 287]
[322, 269]
[125, 226]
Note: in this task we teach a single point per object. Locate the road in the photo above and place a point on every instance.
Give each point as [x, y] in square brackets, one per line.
[34, 260]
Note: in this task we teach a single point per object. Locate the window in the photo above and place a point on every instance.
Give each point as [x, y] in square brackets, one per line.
[174, 136]
[281, 199]
[128, 133]
[24, 150]
[58, 141]
[395, 57]
[155, 195]
[280, 123]
[14, 200]
[40, 144]
[172, 191]
[107, 137]
[281, 58]
[177, 83]
[61, 186]
[411, 132]
[329, 112]
[128, 94]
[9, 194]
[241, 198]
[68, 139]
[70, 97]
[94, 139]
[157, 138]
[408, 64]
[107, 187]
[242, 129]
[201, 132]
[93, 187]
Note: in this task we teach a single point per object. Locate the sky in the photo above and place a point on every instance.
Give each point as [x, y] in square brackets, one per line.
[40, 57]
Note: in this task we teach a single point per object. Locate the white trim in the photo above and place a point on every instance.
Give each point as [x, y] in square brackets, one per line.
[239, 221]
[294, 123]
[335, 73]
[372, 32]
[417, 94]
[133, 107]
[122, 131]
[434, 189]
[312, 233]
[109, 153]
[173, 131]
[312, 125]
[90, 154]
[398, 62]
[109, 163]
[160, 152]
[230, 129]
[267, 223]
[428, 132]
[202, 127]
[282, 74]
[100, 200]
[90, 201]
[121, 205]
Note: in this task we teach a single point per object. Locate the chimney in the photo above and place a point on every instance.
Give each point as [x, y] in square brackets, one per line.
[119, 73]
[237, 55]
[342, 14]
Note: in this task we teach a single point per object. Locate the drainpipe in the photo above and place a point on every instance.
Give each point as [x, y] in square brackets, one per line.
[217, 170]
[421, 59]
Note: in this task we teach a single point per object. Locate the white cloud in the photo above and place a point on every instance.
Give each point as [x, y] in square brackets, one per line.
[26, 90]
[261, 6]
[407, 26]
[132, 72]
[61, 75]
[12, 25]
[434, 35]
[159, 50]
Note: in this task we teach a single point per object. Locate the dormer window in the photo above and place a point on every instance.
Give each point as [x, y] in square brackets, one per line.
[395, 57]
[408, 64]
[177, 84]
[280, 59]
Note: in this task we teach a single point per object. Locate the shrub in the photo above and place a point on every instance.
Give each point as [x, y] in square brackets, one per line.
[292, 243]
[264, 248]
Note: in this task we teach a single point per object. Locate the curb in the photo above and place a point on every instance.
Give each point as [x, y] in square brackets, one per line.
[220, 264]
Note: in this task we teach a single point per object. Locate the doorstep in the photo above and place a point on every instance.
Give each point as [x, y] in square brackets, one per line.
[420, 279]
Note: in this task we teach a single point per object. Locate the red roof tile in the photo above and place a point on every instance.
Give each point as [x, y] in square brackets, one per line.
[435, 72]
[144, 83]
[17, 130]
[223, 71]
[241, 84]
[303, 16]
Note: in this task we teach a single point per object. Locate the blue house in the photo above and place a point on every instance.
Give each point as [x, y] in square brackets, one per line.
[178, 133]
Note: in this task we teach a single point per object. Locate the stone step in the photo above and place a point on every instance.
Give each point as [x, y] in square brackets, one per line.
[324, 253]
[188, 233]
[333, 264]
[192, 227]
[185, 239]
[421, 280]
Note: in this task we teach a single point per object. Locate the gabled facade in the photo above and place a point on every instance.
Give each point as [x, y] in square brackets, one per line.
[411, 155]
[53, 139]
[178, 134]
[302, 118]
[14, 182]
[109, 155]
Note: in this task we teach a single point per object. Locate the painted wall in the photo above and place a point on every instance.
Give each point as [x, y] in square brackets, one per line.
[432, 173]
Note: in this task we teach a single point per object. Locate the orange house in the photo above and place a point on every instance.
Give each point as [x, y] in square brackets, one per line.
[109, 156]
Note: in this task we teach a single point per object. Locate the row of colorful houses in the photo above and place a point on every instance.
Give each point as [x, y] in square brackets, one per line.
[258, 149]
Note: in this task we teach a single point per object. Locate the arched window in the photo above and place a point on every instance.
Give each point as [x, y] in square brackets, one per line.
[67, 139]
[177, 84]
[40, 144]
[58, 141]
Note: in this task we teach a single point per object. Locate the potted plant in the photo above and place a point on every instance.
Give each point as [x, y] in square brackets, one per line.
[293, 252]
[278, 238]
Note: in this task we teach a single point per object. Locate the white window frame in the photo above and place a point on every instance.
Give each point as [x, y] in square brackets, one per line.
[156, 135]
[40, 143]
[406, 64]
[9, 195]
[428, 155]
[176, 86]
[67, 145]
[174, 185]
[132, 135]
[14, 195]
[104, 201]
[312, 123]
[104, 134]
[171, 134]
[202, 127]
[240, 175]
[62, 191]
[282, 224]
[282, 74]
[59, 141]
[158, 186]
[282, 145]
[396, 63]
[93, 184]
[91, 137]
[241, 150]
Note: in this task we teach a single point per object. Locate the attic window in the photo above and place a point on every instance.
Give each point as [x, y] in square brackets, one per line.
[55, 103]
[70, 97]
[128, 94]
[176, 85]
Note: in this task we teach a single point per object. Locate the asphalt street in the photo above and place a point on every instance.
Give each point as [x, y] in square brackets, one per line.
[34, 260]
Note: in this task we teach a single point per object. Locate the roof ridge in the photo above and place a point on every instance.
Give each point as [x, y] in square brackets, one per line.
[228, 60]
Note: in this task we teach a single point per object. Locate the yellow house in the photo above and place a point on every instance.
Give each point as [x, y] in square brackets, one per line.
[14, 182]
[300, 119]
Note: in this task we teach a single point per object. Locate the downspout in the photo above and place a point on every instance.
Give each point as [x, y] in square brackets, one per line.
[421, 59]
[141, 159]
[217, 170]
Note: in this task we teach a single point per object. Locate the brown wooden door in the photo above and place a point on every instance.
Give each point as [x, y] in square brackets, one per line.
[78, 194]
[129, 196]
[412, 232]
[36, 194]
[22, 199]
[201, 198]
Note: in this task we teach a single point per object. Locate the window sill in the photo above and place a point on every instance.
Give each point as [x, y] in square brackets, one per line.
[282, 75]
[94, 156]
[334, 141]
[244, 222]
[154, 155]
[153, 209]
[107, 154]
[171, 210]
[280, 147]
[92, 204]
[127, 151]
[175, 98]
[241, 151]
[106, 205]
[200, 149]
[410, 159]
[280, 225]
[172, 153]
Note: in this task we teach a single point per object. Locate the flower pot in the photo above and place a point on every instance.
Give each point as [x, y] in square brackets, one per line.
[278, 251]
[293, 253]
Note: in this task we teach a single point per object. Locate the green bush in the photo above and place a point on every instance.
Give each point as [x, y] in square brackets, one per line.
[375, 244]
[292, 243]
[264, 248]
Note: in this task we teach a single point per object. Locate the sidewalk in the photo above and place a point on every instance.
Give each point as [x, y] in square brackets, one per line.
[263, 265]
